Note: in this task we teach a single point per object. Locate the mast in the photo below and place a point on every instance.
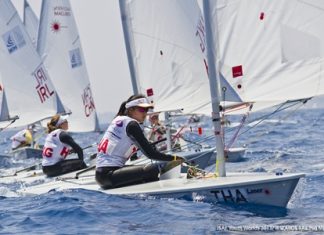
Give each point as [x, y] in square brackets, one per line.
[126, 28]
[213, 74]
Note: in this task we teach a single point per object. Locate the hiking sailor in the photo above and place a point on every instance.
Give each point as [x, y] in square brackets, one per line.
[22, 138]
[122, 138]
[157, 131]
[57, 147]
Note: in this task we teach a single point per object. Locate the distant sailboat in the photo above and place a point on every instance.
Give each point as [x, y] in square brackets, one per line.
[26, 88]
[60, 47]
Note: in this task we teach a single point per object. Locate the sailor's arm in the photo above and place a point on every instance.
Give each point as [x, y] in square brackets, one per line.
[135, 132]
[67, 139]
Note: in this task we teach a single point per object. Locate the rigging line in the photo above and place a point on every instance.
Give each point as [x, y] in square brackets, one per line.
[280, 108]
[236, 134]
[275, 124]
[262, 118]
[199, 142]
[15, 118]
[244, 118]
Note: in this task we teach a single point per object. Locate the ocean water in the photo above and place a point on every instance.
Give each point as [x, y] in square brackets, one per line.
[294, 144]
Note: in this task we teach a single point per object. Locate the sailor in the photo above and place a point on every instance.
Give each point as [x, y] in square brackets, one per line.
[58, 144]
[22, 138]
[157, 131]
[122, 138]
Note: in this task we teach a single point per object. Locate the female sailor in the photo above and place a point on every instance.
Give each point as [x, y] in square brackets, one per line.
[57, 146]
[122, 138]
[22, 139]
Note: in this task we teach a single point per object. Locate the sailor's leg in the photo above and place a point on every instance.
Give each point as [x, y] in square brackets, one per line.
[112, 178]
[63, 167]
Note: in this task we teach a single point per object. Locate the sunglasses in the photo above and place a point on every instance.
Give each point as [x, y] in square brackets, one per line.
[142, 110]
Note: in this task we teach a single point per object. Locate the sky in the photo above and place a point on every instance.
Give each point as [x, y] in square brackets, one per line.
[103, 46]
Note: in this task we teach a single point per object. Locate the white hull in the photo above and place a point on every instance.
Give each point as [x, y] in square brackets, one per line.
[25, 178]
[233, 155]
[27, 152]
[254, 188]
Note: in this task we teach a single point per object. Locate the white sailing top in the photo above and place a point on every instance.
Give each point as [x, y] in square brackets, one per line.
[54, 150]
[116, 146]
[21, 137]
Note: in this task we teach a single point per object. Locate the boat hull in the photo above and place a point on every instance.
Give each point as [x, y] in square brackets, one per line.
[232, 155]
[27, 152]
[243, 188]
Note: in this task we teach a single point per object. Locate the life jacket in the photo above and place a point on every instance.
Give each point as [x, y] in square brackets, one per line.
[20, 139]
[116, 147]
[54, 150]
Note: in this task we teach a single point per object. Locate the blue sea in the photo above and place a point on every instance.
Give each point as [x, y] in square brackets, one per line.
[288, 142]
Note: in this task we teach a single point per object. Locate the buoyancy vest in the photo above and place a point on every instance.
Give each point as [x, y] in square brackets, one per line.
[23, 137]
[54, 150]
[116, 146]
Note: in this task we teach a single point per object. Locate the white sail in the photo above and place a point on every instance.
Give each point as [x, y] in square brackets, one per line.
[31, 22]
[270, 51]
[4, 111]
[168, 52]
[60, 47]
[29, 91]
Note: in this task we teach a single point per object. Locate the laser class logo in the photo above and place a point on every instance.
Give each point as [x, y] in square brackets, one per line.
[75, 58]
[14, 39]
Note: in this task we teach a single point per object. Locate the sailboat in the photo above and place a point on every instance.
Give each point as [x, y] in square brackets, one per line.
[275, 189]
[167, 64]
[60, 47]
[26, 89]
[260, 47]
[162, 69]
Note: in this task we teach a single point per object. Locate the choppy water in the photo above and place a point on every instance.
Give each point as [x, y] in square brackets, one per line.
[293, 145]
